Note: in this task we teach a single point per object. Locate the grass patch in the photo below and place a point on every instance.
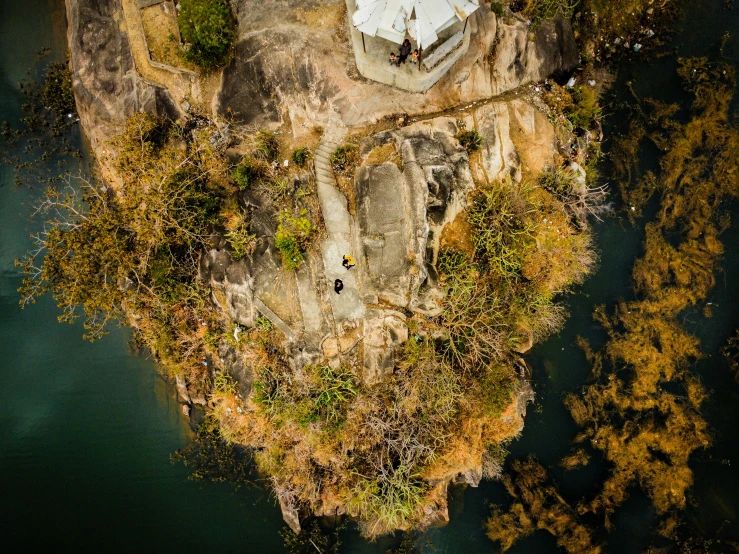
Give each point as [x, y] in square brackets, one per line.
[470, 140]
[293, 236]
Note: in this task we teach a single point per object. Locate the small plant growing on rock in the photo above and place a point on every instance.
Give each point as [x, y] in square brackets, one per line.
[300, 156]
[266, 146]
[249, 172]
[584, 109]
[241, 241]
[344, 158]
[293, 237]
[471, 140]
[264, 324]
[497, 8]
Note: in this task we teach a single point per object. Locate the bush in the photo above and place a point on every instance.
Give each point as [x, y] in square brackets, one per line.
[503, 217]
[497, 8]
[497, 386]
[266, 146]
[584, 109]
[300, 156]
[471, 140]
[248, 173]
[208, 26]
[58, 93]
[292, 238]
[538, 10]
[241, 241]
[344, 158]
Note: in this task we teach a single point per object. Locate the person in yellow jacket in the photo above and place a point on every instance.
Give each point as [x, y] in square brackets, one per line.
[348, 261]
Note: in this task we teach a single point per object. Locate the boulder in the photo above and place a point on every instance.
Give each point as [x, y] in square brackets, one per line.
[290, 514]
[383, 332]
[182, 389]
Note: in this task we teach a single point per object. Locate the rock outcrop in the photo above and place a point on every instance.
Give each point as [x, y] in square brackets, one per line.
[294, 62]
[106, 85]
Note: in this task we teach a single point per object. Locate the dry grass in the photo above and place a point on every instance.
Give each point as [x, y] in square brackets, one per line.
[163, 35]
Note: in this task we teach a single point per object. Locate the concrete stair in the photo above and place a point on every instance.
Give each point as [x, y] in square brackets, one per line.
[339, 226]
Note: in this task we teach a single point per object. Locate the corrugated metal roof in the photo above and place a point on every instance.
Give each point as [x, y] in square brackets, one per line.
[421, 19]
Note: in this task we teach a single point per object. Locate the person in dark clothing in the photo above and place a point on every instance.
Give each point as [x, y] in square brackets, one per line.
[338, 285]
[405, 51]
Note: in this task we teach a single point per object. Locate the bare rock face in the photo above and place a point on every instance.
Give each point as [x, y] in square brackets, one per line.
[519, 58]
[269, 67]
[384, 331]
[106, 85]
[289, 514]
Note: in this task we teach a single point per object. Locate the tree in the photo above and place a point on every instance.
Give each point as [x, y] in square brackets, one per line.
[208, 26]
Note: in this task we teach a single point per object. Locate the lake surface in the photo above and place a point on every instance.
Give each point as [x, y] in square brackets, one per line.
[86, 430]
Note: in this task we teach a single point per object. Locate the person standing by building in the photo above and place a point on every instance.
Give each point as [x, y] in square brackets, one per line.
[405, 51]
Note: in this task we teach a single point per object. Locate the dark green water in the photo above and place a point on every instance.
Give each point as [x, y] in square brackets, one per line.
[86, 430]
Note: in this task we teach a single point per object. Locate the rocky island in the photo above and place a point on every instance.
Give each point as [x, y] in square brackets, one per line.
[244, 149]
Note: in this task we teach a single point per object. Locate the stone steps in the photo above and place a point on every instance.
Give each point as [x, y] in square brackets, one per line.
[338, 221]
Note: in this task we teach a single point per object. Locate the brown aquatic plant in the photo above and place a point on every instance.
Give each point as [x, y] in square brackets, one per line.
[642, 412]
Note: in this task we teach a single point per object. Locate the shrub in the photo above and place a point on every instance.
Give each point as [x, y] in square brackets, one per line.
[497, 8]
[300, 156]
[208, 26]
[344, 158]
[584, 109]
[293, 237]
[471, 140]
[538, 10]
[497, 387]
[392, 499]
[266, 146]
[58, 93]
[264, 324]
[503, 217]
[249, 172]
[241, 241]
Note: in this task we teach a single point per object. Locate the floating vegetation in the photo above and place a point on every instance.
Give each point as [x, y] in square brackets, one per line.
[44, 134]
[643, 410]
[538, 505]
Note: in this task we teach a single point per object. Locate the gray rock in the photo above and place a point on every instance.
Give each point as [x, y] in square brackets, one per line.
[182, 389]
[106, 85]
[383, 332]
[289, 514]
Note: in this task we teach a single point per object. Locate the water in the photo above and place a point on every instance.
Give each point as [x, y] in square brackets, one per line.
[86, 430]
